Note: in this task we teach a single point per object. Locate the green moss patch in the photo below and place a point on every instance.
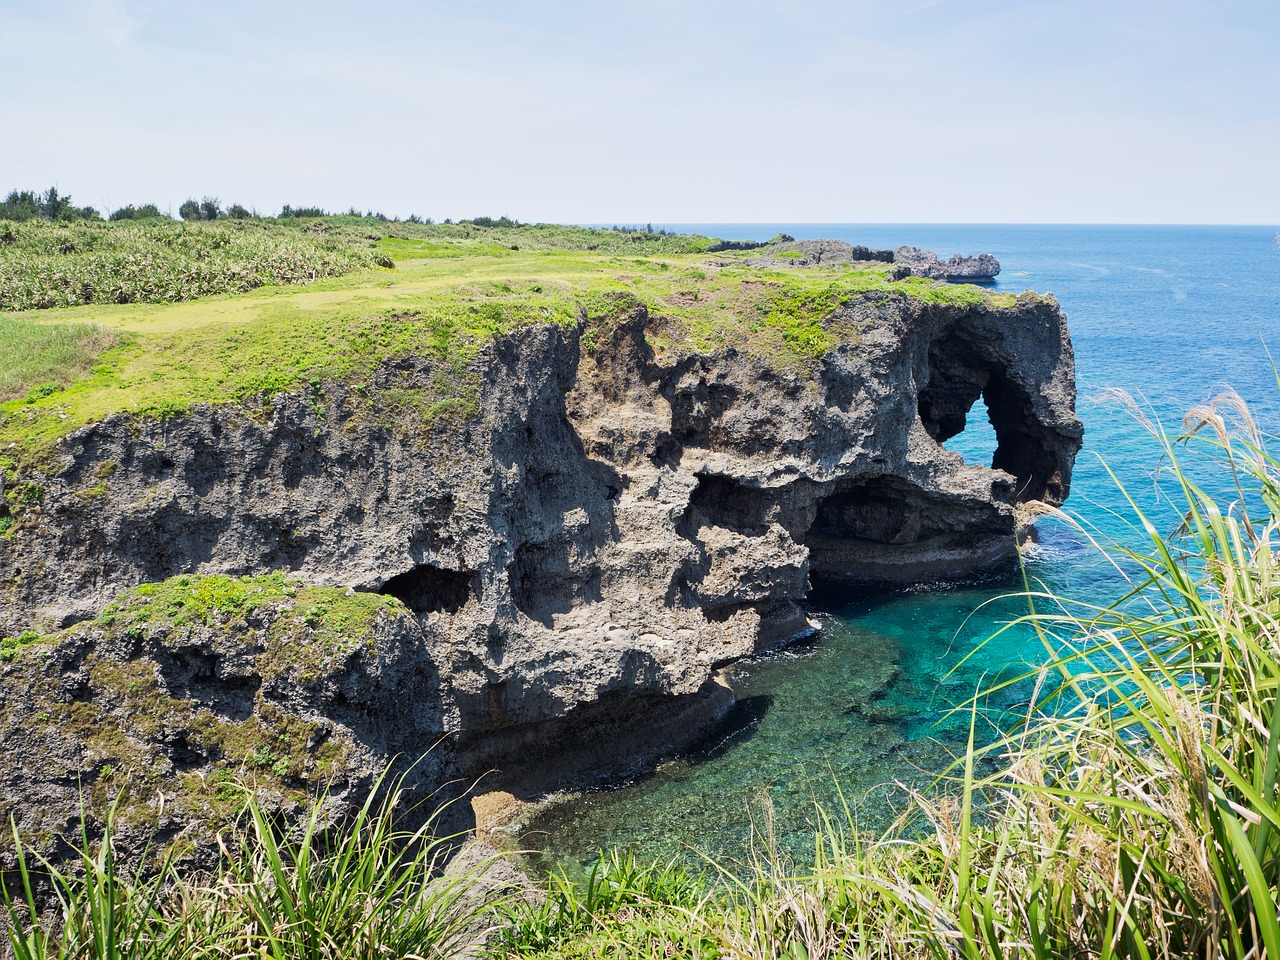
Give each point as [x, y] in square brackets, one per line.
[125, 717]
[217, 600]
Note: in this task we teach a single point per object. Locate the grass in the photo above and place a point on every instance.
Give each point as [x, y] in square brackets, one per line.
[1136, 815]
[454, 289]
[361, 889]
[43, 357]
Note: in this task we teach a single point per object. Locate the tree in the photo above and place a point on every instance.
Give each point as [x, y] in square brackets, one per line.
[206, 209]
[52, 205]
[147, 211]
[20, 205]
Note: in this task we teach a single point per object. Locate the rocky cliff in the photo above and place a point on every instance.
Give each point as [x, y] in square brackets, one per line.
[786, 251]
[562, 574]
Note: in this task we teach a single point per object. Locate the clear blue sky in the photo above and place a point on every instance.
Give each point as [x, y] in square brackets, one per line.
[662, 111]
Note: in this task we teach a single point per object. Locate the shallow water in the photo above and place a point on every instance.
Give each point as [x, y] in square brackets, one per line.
[849, 720]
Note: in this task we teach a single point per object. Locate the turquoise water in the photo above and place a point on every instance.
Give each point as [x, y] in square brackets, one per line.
[861, 713]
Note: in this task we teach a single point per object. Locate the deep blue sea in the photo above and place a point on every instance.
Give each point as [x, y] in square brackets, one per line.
[859, 714]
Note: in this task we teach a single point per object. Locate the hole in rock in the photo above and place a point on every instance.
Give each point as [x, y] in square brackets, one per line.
[965, 389]
[724, 502]
[976, 441]
[429, 589]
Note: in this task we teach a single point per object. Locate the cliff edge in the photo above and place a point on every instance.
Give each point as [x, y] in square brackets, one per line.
[539, 589]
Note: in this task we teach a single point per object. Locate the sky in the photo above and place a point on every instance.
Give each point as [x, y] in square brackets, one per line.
[661, 111]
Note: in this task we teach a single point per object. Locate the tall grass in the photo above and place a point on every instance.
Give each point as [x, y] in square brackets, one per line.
[1136, 814]
[52, 353]
[1139, 817]
[358, 890]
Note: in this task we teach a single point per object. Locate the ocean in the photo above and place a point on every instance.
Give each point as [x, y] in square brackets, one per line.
[852, 720]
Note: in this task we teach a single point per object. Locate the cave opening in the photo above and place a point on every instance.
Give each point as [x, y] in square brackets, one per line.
[725, 502]
[969, 403]
[888, 528]
[879, 510]
[431, 589]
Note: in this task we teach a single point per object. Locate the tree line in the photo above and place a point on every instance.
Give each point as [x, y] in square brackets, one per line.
[52, 205]
[24, 205]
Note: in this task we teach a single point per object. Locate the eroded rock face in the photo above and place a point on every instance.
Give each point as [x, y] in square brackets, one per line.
[613, 526]
[981, 268]
[160, 716]
[907, 261]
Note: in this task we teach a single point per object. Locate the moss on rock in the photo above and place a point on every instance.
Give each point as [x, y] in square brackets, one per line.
[180, 689]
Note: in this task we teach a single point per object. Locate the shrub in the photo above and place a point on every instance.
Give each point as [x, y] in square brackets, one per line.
[500, 222]
[148, 211]
[51, 205]
[206, 209]
[288, 211]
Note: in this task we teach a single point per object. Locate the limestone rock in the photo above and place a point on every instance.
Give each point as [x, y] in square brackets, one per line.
[577, 561]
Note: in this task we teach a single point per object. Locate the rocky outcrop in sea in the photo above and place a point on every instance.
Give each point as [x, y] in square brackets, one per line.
[908, 261]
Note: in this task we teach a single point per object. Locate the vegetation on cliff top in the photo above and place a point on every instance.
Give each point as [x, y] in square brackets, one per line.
[45, 265]
[454, 287]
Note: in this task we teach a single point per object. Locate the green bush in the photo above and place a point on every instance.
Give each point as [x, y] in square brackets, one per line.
[206, 209]
[28, 205]
[148, 211]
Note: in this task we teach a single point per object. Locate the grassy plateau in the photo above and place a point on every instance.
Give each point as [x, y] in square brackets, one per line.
[452, 288]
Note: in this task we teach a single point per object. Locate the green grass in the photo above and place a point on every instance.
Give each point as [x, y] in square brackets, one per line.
[441, 308]
[43, 356]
